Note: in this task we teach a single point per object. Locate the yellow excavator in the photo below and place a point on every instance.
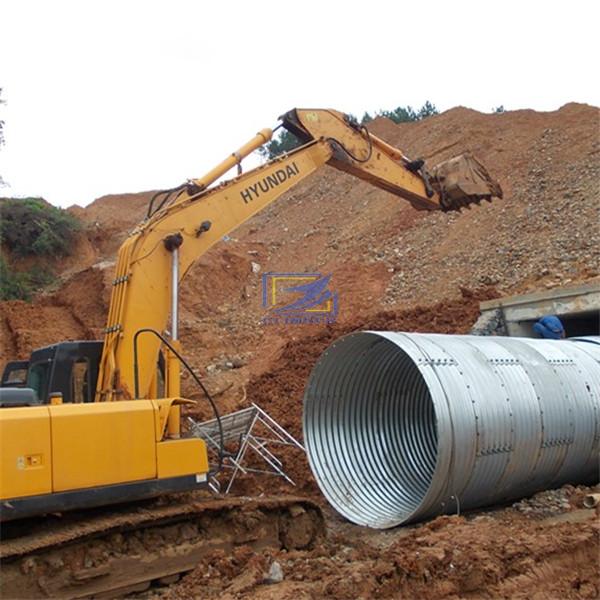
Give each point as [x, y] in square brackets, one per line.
[95, 423]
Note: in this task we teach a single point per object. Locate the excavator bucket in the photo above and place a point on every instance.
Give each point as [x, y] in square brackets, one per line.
[463, 180]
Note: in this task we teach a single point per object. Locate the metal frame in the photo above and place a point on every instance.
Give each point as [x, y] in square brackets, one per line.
[251, 429]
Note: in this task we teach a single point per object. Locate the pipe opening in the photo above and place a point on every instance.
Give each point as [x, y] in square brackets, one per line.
[401, 426]
[370, 430]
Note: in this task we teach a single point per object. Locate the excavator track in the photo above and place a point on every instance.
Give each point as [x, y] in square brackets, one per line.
[121, 551]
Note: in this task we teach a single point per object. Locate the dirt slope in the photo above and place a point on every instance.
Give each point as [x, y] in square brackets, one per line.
[394, 268]
[382, 253]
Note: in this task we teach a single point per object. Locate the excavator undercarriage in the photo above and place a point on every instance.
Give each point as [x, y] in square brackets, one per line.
[122, 550]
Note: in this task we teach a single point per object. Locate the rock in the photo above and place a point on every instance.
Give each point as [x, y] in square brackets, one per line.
[237, 362]
[28, 565]
[275, 574]
[255, 267]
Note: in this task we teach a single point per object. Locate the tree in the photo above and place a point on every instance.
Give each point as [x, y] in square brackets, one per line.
[284, 142]
[287, 141]
[407, 114]
[498, 109]
[400, 114]
[366, 118]
[427, 110]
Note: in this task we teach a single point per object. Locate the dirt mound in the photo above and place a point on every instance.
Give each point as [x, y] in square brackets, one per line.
[110, 218]
[76, 312]
[279, 390]
[548, 165]
[487, 555]
[382, 254]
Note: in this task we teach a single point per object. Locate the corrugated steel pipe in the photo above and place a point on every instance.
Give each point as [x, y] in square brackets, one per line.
[403, 426]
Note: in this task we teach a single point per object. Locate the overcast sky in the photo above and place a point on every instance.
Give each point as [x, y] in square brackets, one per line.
[121, 96]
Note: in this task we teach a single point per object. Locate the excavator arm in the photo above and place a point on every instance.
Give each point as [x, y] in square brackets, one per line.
[450, 185]
[364, 155]
[190, 219]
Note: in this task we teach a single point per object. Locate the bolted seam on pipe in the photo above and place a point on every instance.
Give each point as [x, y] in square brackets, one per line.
[400, 427]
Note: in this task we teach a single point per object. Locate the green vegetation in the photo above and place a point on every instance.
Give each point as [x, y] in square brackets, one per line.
[498, 109]
[31, 226]
[404, 114]
[286, 141]
[22, 285]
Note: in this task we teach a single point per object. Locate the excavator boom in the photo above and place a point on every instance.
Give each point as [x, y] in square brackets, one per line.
[199, 216]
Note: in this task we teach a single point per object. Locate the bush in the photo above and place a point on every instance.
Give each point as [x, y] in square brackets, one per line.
[31, 226]
[13, 285]
[22, 285]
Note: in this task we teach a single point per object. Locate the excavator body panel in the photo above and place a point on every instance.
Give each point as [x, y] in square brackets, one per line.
[79, 455]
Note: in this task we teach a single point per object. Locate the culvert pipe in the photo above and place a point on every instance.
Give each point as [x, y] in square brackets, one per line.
[400, 427]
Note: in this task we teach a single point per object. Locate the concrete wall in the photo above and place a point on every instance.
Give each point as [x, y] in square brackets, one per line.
[577, 306]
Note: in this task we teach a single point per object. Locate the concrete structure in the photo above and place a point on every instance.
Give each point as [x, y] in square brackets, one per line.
[577, 306]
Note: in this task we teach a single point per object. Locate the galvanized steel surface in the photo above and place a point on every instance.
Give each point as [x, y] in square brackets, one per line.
[403, 426]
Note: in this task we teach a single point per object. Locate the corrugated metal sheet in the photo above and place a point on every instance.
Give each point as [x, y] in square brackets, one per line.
[402, 426]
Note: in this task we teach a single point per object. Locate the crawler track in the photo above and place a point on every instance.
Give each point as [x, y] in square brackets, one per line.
[114, 552]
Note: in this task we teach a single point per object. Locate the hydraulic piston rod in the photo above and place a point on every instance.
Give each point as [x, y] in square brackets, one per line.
[261, 138]
[173, 379]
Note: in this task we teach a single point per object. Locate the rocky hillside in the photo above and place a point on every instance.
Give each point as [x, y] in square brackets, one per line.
[382, 253]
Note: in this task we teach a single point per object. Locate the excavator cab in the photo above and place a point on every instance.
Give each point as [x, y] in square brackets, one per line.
[15, 374]
[67, 371]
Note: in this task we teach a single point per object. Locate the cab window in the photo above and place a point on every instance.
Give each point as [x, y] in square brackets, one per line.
[37, 379]
[16, 377]
[80, 389]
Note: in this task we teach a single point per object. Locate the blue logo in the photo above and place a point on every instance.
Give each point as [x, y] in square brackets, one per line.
[298, 299]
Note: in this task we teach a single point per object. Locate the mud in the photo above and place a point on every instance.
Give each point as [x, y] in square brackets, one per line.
[123, 549]
[482, 555]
